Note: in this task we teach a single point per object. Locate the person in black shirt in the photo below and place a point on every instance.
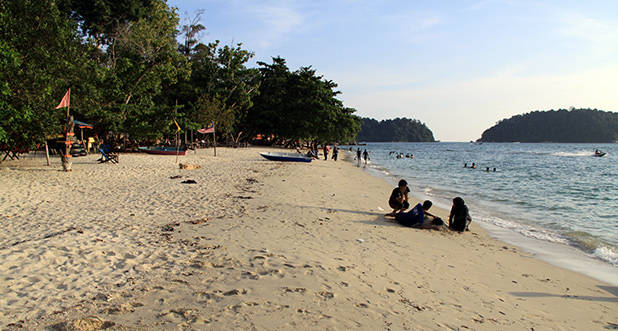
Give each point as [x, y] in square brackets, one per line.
[366, 157]
[399, 198]
[358, 157]
[459, 219]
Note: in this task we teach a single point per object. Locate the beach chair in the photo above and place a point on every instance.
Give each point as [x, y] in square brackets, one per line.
[108, 157]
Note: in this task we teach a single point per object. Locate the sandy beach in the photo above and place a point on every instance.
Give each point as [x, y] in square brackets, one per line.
[255, 244]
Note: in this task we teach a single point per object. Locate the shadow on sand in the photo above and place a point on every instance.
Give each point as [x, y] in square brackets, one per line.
[379, 219]
[609, 289]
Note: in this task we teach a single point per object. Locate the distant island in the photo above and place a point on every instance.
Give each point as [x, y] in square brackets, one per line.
[560, 126]
[395, 130]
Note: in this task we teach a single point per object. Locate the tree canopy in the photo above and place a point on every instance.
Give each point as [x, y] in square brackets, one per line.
[395, 130]
[565, 126]
[133, 68]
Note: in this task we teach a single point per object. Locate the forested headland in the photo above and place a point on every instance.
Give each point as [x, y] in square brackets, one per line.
[563, 126]
[395, 130]
[133, 68]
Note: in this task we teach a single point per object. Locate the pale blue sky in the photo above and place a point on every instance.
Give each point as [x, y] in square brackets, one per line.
[458, 66]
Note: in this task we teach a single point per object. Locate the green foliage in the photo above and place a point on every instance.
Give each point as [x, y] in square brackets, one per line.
[574, 126]
[41, 56]
[100, 18]
[129, 75]
[398, 129]
[220, 73]
[299, 105]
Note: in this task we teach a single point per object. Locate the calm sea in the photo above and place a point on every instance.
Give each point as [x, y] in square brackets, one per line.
[557, 193]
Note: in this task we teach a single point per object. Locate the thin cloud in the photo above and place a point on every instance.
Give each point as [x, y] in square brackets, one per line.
[589, 29]
[276, 23]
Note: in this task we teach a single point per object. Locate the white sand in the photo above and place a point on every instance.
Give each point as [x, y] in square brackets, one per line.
[257, 244]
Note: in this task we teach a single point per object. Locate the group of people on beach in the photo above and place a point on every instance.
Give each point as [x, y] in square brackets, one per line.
[365, 156]
[420, 217]
[314, 151]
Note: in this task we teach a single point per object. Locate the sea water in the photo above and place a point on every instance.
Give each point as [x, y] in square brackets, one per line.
[549, 193]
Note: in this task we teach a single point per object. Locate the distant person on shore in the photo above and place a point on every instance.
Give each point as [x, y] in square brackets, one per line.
[465, 165]
[335, 152]
[473, 166]
[365, 157]
[459, 219]
[325, 149]
[419, 217]
[487, 169]
[399, 198]
[494, 169]
[358, 157]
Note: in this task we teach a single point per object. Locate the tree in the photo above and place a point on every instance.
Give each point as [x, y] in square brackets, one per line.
[33, 79]
[299, 105]
[101, 18]
[398, 129]
[140, 63]
[220, 73]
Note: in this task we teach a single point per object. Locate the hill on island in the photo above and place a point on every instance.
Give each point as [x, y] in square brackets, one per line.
[561, 126]
[398, 129]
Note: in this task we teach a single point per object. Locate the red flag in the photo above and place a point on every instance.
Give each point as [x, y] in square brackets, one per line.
[66, 100]
[209, 129]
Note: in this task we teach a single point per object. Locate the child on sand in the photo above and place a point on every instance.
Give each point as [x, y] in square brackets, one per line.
[419, 217]
[399, 198]
[459, 218]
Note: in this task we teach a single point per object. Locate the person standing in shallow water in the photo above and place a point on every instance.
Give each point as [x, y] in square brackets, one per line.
[358, 157]
[366, 157]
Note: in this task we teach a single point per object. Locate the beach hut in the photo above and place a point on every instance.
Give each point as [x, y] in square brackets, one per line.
[82, 126]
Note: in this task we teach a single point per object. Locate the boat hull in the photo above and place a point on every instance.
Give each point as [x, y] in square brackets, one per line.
[285, 157]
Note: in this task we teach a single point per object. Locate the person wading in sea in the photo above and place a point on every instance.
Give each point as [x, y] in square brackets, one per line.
[366, 157]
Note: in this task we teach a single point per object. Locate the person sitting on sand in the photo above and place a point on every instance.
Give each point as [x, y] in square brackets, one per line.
[419, 217]
[399, 198]
[459, 219]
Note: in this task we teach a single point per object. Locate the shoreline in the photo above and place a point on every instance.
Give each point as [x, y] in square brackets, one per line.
[563, 255]
[260, 244]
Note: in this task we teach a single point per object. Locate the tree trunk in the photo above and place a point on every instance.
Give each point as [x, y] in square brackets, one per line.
[47, 152]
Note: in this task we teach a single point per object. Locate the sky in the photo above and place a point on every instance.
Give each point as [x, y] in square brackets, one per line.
[458, 66]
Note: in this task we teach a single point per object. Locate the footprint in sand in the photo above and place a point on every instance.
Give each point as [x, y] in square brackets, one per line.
[327, 295]
[235, 292]
[294, 290]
